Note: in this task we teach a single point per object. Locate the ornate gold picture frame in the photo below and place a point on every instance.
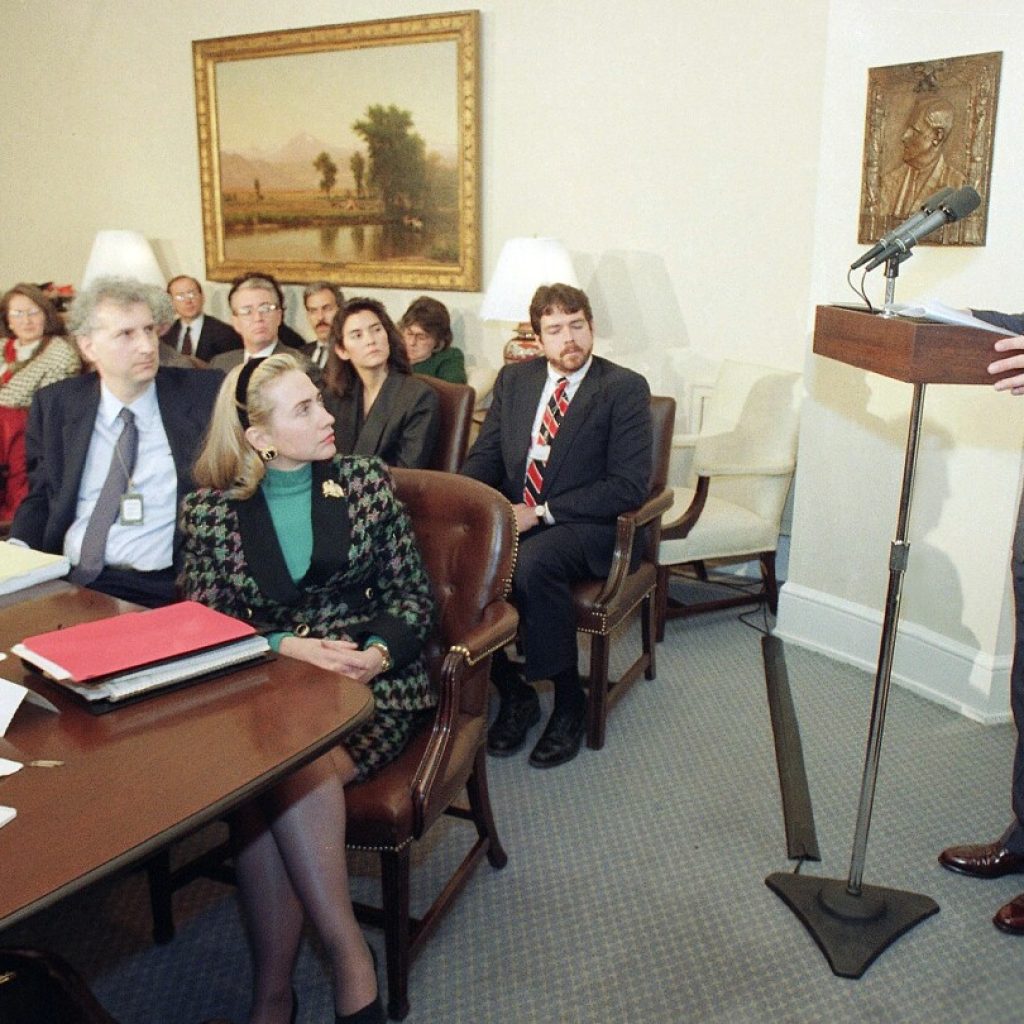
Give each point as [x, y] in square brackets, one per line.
[928, 125]
[349, 153]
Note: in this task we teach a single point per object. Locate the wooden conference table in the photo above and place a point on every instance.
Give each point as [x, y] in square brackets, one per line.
[144, 775]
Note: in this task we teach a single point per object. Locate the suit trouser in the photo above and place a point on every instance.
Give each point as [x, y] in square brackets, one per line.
[551, 559]
[1014, 835]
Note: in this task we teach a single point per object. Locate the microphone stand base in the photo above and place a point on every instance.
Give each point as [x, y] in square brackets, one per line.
[852, 931]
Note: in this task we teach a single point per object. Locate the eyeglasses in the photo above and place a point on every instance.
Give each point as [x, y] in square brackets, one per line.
[185, 296]
[23, 314]
[247, 312]
[412, 335]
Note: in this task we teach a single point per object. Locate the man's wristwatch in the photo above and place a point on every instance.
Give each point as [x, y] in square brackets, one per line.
[384, 653]
[541, 510]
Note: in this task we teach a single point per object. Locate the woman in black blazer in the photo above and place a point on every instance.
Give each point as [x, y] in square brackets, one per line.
[379, 407]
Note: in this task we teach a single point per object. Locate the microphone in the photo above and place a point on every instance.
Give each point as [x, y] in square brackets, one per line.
[911, 222]
[961, 203]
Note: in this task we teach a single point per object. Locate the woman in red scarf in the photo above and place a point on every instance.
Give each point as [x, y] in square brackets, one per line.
[34, 354]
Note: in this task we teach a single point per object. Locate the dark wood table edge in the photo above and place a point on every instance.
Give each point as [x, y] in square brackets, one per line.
[138, 854]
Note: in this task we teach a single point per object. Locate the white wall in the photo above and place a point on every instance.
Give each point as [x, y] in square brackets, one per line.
[956, 637]
[701, 159]
[668, 144]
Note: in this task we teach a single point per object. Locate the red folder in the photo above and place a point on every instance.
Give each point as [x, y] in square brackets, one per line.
[94, 650]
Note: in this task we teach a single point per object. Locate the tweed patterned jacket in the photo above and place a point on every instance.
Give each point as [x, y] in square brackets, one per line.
[365, 577]
[54, 361]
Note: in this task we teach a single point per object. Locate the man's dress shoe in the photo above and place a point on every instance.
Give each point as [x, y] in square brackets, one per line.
[560, 741]
[985, 860]
[516, 716]
[1011, 917]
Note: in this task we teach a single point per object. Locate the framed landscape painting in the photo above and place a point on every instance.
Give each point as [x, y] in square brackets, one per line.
[347, 153]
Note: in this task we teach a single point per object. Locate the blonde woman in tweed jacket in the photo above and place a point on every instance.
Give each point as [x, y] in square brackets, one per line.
[316, 550]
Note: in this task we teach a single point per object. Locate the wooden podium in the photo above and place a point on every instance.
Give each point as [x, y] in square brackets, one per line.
[853, 923]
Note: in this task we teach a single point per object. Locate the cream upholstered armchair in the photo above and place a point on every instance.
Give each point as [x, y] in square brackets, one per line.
[743, 462]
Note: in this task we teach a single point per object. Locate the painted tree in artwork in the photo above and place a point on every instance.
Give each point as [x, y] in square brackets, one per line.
[357, 164]
[397, 154]
[328, 171]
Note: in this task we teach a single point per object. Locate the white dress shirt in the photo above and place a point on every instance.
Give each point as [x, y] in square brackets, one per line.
[144, 546]
[538, 450]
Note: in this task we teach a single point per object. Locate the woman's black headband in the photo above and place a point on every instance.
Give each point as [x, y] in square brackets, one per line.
[242, 391]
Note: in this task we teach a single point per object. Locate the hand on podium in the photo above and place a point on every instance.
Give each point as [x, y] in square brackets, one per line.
[1014, 384]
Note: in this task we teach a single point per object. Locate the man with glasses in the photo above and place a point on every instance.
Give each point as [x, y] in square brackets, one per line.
[196, 333]
[257, 313]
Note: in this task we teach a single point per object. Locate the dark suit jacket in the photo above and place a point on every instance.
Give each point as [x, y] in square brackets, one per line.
[227, 360]
[215, 337]
[401, 428]
[600, 461]
[60, 427]
[1013, 323]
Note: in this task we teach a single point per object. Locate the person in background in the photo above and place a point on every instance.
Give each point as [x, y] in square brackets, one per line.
[35, 354]
[1005, 856]
[323, 559]
[322, 301]
[195, 332]
[379, 407]
[110, 453]
[427, 333]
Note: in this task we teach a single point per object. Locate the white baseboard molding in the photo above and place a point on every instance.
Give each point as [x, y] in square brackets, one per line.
[975, 684]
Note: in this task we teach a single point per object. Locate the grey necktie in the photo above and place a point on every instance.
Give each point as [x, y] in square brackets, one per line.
[94, 541]
[186, 342]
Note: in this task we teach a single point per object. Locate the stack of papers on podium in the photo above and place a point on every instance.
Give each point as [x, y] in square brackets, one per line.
[22, 567]
[114, 659]
[932, 309]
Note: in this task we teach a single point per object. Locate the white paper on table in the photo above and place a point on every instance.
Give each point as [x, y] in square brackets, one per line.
[932, 309]
[6, 814]
[11, 696]
[9, 767]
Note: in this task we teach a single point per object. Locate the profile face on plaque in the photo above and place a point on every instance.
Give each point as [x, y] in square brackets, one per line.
[928, 125]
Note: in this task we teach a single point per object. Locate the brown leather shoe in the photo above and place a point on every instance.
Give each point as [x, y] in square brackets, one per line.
[985, 860]
[1011, 917]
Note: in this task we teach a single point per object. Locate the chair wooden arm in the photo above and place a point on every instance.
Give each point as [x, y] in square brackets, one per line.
[500, 622]
[681, 527]
[626, 528]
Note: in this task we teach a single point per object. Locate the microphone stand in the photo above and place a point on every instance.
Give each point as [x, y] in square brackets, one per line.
[892, 271]
[854, 923]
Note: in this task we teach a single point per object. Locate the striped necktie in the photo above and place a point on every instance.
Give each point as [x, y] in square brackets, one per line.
[549, 424]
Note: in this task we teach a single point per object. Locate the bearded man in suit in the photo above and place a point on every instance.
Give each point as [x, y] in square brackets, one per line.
[568, 441]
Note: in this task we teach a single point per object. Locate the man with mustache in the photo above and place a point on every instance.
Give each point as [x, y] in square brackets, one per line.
[322, 301]
[110, 453]
[567, 440]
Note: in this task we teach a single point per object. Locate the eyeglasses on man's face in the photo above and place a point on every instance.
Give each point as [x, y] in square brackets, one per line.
[23, 314]
[185, 296]
[264, 309]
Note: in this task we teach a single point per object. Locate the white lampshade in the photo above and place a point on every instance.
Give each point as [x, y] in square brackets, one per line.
[523, 266]
[122, 254]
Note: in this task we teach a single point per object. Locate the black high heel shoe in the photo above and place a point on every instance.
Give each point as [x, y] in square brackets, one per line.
[371, 1013]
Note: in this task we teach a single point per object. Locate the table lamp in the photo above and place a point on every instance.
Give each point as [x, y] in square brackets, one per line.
[523, 266]
[122, 254]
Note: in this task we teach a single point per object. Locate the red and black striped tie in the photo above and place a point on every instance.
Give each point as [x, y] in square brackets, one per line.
[549, 424]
